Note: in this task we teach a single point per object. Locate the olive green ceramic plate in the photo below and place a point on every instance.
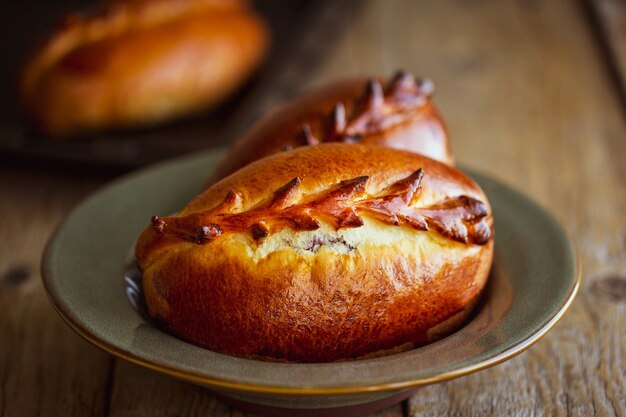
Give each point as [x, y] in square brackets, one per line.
[534, 279]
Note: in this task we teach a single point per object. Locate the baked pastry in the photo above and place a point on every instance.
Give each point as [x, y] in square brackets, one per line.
[139, 62]
[323, 253]
[400, 115]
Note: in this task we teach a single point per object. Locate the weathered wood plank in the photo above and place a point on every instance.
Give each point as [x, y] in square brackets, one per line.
[45, 369]
[141, 392]
[610, 16]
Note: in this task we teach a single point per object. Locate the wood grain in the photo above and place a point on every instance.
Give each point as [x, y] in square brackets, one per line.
[529, 100]
[45, 369]
[610, 21]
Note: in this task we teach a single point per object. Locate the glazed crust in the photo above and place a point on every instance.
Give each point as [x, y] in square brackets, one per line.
[363, 277]
[396, 113]
[138, 62]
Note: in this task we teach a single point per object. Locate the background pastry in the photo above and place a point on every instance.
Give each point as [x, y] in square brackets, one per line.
[322, 253]
[397, 113]
[139, 62]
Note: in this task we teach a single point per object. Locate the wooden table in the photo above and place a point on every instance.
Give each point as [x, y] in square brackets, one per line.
[533, 94]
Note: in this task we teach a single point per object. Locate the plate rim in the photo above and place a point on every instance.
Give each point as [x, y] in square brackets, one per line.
[223, 383]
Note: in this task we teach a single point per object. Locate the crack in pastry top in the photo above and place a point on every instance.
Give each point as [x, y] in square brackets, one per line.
[461, 218]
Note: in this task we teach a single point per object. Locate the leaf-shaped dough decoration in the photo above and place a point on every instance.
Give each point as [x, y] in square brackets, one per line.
[461, 218]
[376, 110]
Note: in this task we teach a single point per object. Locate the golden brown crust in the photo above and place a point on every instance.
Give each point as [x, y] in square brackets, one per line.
[399, 115]
[337, 291]
[139, 62]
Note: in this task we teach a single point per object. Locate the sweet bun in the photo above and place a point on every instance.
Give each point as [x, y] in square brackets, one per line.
[139, 62]
[397, 113]
[324, 253]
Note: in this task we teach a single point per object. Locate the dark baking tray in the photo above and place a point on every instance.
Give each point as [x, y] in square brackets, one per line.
[303, 31]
